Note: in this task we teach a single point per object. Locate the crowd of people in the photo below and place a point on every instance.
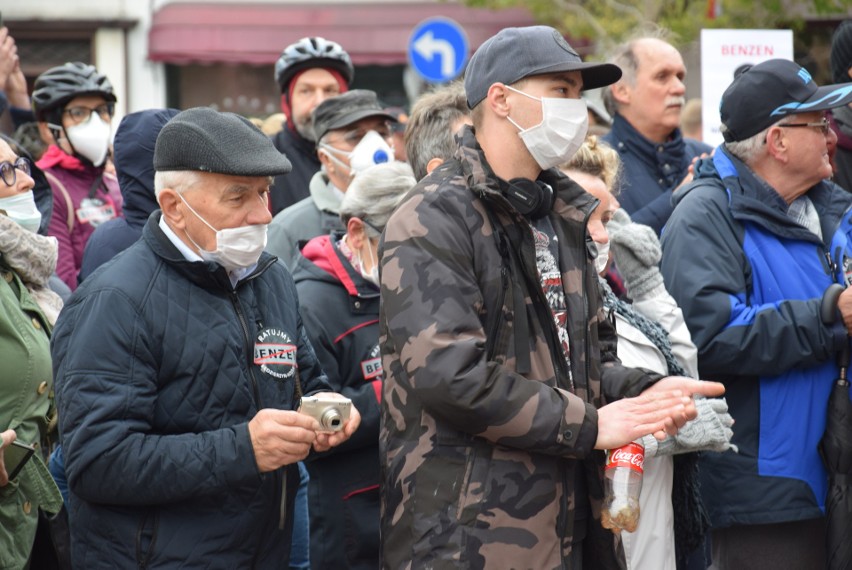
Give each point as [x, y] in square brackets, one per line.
[499, 287]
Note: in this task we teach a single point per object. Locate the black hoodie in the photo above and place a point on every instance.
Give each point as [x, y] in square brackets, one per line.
[134, 165]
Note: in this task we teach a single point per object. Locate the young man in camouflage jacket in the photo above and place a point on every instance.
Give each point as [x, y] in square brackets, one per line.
[493, 338]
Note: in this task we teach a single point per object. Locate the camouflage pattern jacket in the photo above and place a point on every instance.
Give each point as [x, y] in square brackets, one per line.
[479, 460]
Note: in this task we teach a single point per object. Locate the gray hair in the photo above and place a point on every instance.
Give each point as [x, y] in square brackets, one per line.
[177, 180]
[748, 150]
[375, 192]
[624, 56]
[429, 132]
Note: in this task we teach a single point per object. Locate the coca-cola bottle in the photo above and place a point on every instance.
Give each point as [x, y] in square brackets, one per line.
[622, 485]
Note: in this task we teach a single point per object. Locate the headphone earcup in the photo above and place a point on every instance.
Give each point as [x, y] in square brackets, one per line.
[532, 199]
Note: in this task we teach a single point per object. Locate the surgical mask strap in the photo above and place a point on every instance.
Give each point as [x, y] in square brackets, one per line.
[197, 215]
[516, 125]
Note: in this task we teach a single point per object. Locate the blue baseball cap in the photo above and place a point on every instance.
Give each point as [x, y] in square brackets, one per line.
[763, 94]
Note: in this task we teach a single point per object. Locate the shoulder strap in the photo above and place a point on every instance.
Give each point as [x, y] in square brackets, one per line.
[55, 183]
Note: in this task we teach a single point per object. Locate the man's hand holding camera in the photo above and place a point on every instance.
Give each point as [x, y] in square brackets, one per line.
[282, 437]
[337, 417]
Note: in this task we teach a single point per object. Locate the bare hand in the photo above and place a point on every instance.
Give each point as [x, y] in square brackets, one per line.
[844, 305]
[660, 413]
[281, 437]
[689, 386]
[8, 56]
[16, 87]
[325, 440]
[6, 439]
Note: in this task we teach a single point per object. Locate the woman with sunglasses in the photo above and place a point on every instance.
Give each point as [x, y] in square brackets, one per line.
[28, 310]
[74, 105]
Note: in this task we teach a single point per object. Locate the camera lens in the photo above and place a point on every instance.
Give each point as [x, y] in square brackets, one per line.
[331, 419]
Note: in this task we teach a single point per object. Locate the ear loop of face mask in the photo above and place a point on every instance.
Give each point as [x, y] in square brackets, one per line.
[373, 275]
[330, 151]
[197, 215]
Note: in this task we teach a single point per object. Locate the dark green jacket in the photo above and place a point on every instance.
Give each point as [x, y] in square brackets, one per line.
[26, 403]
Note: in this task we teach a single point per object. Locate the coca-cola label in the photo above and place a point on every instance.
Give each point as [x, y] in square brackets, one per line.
[631, 455]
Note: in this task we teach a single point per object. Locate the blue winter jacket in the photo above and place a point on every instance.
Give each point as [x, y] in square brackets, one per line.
[134, 166]
[651, 171]
[750, 282]
[160, 364]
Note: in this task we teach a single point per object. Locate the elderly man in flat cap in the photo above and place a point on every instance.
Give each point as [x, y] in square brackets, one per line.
[179, 366]
[501, 376]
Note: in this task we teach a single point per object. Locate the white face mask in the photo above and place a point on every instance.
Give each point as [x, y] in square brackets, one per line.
[91, 139]
[373, 275]
[602, 258]
[562, 130]
[21, 209]
[236, 248]
[371, 150]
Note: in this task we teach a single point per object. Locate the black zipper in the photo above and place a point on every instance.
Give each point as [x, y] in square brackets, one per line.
[241, 318]
[143, 559]
[495, 323]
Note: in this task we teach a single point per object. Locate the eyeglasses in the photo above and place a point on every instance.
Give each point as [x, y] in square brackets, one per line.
[354, 136]
[9, 170]
[81, 114]
[824, 126]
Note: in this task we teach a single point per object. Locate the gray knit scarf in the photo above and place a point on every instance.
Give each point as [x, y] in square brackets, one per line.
[651, 329]
[690, 519]
[33, 258]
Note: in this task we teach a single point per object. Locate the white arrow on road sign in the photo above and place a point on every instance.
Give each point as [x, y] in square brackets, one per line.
[428, 47]
[438, 49]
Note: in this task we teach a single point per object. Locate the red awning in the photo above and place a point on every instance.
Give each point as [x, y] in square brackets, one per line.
[256, 33]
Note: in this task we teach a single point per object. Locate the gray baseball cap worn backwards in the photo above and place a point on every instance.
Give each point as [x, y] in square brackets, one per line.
[515, 53]
[209, 141]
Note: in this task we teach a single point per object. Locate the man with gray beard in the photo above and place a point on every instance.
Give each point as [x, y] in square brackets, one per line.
[646, 104]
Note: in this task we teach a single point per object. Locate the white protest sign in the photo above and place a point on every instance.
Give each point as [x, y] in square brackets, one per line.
[722, 52]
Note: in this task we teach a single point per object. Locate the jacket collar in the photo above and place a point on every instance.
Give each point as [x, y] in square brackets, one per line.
[655, 155]
[482, 180]
[326, 197]
[752, 199]
[329, 262]
[205, 274]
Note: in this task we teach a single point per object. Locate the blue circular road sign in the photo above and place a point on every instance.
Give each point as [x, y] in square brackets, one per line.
[438, 49]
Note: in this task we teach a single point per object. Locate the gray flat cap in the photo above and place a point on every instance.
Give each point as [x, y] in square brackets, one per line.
[207, 140]
[346, 109]
[515, 53]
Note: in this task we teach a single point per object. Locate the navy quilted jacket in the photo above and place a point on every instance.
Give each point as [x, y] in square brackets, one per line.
[159, 365]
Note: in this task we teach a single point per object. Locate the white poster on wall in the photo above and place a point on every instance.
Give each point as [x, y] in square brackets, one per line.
[722, 53]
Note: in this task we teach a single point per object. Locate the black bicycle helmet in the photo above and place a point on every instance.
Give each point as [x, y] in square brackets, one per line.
[60, 84]
[312, 52]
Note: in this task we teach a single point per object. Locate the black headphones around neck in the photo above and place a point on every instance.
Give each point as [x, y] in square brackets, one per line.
[532, 198]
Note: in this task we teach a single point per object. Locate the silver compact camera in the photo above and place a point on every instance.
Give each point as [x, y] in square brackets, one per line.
[331, 413]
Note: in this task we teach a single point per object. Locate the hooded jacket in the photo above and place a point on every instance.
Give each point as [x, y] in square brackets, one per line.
[651, 171]
[340, 310]
[74, 181]
[751, 300]
[293, 187]
[479, 460]
[134, 165]
[160, 364]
